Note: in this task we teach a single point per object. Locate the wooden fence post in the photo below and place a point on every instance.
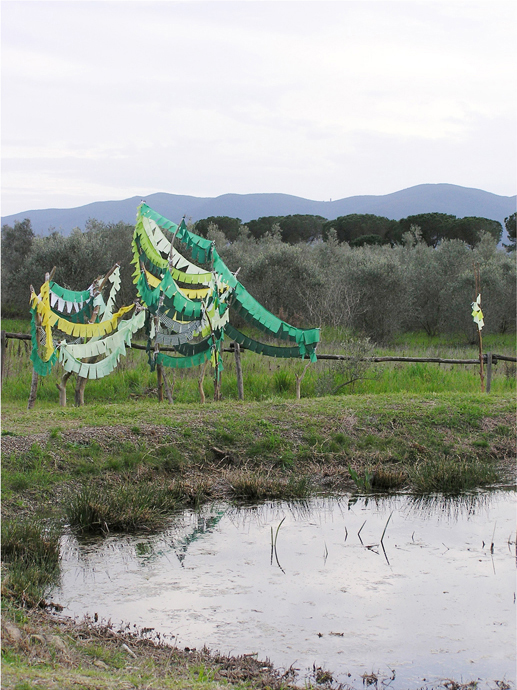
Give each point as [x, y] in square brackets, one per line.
[488, 371]
[159, 377]
[3, 353]
[238, 370]
[62, 388]
[200, 381]
[168, 391]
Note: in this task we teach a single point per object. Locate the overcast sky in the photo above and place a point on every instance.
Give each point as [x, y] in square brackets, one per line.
[324, 100]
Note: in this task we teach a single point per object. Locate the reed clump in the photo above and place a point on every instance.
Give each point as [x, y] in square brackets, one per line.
[121, 506]
[30, 556]
[451, 475]
[252, 486]
[388, 478]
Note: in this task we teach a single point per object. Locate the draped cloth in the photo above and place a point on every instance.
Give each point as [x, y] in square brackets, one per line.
[241, 301]
[49, 306]
[268, 350]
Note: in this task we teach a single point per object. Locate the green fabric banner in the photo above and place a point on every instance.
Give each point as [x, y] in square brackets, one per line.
[195, 279]
[201, 248]
[223, 270]
[148, 248]
[265, 349]
[257, 315]
[69, 295]
[191, 349]
[183, 362]
[139, 256]
[173, 301]
[82, 316]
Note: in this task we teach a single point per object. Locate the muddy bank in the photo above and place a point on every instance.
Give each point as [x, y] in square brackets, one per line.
[56, 653]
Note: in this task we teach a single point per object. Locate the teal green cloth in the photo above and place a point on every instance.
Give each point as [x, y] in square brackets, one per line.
[223, 270]
[69, 295]
[184, 362]
[268, 350]
[253, 312]
[181, 305]
[201, 247]
[190, 349]
[150, 296]
[82, 316]
[40, 367]
[174, 302]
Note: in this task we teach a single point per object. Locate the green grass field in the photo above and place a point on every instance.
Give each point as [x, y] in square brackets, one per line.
[267, 378]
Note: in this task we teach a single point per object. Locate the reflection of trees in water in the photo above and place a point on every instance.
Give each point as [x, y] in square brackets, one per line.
[451, 507]
[147, 547]
[188, 527]
[204, 525]
[89, 550]
[456, 507]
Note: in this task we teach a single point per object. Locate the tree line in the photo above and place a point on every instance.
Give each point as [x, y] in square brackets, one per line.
[375, 288]
[359, 229]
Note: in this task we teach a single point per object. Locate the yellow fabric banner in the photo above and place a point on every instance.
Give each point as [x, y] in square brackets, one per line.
[78, 330]
[90, 330]
[200, 293]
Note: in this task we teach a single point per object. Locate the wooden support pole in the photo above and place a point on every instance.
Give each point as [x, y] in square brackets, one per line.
[477, 279]
[3, 348]
[159, 370]
[238, 370]
[34, 380]
[488, 371]
[201, 380]
[80, 385]
[34, 390]
[217, 384]
[217, 376]
[62, 388]
[159, 376]
[299, 380]
[168, 390]
[481, 370]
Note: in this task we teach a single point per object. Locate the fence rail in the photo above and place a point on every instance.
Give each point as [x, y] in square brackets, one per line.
[489, 358]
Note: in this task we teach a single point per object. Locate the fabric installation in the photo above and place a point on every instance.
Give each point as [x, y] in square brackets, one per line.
[182, 306]
[59, 316]
[179, 293]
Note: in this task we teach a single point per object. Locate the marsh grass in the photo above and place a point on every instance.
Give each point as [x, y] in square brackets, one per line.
[362, 481]
[388, 478]
[121, 506]
[250, 487]
[30, 554]
[451, 475]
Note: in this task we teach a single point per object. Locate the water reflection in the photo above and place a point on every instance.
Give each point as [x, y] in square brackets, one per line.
[422, 585]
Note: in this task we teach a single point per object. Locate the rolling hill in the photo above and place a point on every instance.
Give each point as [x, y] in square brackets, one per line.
[443, 198]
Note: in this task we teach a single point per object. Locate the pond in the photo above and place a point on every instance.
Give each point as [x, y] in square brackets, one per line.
[434, 599]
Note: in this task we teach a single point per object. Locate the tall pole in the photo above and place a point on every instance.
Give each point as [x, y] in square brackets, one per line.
[477, 300]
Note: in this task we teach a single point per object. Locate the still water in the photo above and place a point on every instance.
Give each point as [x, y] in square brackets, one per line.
[434, 600]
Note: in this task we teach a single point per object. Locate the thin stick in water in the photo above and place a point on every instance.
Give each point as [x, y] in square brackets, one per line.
[359, 533]
[385, 526]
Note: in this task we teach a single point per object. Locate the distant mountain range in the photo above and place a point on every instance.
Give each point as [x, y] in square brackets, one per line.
[424, 198]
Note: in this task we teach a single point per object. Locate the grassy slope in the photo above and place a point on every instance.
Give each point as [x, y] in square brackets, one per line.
[49, 449]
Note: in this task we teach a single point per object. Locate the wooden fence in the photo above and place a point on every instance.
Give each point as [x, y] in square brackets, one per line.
[489, 358]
